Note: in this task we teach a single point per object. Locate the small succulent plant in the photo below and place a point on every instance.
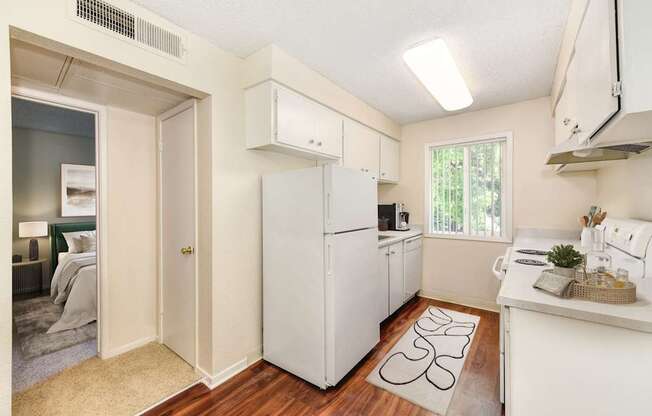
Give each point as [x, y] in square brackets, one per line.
[565, 256]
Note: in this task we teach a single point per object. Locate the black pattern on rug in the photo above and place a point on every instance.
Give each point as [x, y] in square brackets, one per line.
[428, 329]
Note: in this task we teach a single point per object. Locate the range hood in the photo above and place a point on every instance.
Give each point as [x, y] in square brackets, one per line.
[573, 156]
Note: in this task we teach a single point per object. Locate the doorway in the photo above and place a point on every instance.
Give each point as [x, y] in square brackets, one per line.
[127, 112]
[57, 163]
[178, 233]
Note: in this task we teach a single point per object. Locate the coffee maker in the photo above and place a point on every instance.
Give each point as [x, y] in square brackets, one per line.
[398, 219]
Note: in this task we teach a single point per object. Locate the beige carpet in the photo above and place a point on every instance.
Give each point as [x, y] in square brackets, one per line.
[123, 385]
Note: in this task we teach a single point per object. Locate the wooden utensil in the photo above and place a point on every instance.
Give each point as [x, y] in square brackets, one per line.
[597, 220]
[584, 221]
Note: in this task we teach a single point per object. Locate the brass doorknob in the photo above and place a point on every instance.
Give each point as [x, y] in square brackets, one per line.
[187, 250]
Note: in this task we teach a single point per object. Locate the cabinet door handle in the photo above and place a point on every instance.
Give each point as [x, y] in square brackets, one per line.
[311, 141]
[566, 121]
[392, 252]
[382, 174]
[318, 143]
[576, 129]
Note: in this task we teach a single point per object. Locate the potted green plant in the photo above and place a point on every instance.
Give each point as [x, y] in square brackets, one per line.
[565, 258]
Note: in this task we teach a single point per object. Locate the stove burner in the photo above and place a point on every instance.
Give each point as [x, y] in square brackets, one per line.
[530, 262]
[532, 252]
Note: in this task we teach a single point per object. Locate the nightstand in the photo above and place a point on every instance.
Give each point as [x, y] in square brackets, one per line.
[30, 276]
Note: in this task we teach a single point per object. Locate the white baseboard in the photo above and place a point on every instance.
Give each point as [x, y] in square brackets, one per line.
[461, 300]
[213, 381]
[128, 347]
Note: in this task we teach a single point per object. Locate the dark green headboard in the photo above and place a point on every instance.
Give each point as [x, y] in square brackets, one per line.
[58, 243]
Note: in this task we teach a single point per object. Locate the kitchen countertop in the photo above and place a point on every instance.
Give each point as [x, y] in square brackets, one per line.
[517, 291]
[396, 236]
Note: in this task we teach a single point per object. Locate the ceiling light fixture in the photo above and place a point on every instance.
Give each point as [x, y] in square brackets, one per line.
[434, 66]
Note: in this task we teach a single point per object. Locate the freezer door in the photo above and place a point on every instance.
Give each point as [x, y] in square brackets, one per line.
[352, 289]
[350, 200]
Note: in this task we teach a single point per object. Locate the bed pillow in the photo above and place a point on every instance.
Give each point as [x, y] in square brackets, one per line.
[88, 243]
[74, 242]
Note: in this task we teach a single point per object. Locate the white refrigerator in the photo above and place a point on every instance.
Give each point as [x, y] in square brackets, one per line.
[320, 288]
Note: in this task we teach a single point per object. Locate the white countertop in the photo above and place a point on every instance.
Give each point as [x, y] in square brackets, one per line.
[397, 236]
[517, 291]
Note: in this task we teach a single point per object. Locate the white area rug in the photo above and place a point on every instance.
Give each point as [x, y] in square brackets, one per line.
[425, 364]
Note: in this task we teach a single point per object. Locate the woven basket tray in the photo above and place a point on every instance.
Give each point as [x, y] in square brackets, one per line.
[605, 294]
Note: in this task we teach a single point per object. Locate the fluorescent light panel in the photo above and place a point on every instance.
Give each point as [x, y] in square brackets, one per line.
[433, 64]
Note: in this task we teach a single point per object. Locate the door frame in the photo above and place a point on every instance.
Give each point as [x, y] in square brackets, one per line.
[101, 182]
[191, 103]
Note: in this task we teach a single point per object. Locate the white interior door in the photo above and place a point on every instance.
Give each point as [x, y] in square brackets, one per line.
[177, 175]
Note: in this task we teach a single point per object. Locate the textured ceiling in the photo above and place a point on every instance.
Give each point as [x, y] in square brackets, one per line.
[505, 49]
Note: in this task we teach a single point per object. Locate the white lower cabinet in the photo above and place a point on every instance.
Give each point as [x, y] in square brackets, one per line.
[399, 271]
[557, 365]
[390, 266]
[396, 283]
[413, 266]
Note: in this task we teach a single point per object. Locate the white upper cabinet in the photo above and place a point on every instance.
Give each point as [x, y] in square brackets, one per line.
[282, 120]
[285, 121]
[329, 131]
[389, 160]
[587, 100]
[565, 113]
[295, 120]
[595, 61]
[361, 148]
[607, 97]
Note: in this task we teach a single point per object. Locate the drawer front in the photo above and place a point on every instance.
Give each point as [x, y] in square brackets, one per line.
[413, 243]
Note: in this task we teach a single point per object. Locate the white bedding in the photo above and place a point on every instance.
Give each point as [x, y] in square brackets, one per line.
[62, 256]
[75, 283]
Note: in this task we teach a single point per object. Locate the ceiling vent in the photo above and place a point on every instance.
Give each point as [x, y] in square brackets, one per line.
[128, 26]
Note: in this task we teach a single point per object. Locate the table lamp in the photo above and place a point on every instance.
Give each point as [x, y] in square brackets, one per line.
[30, 230]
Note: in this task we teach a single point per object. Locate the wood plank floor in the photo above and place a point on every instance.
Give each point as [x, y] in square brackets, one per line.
[264, 389]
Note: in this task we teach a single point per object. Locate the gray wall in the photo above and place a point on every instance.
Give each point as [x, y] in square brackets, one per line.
[37, 159]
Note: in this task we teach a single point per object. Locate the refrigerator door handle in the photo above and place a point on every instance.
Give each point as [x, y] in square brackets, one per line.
[329, 259]
[328, 208]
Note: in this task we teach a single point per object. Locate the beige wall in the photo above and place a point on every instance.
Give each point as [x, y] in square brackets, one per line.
[204, 236]
[625, 188]
[132, 229]
[460, 270]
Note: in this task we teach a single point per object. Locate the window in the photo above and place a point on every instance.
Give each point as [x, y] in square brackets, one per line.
[468, 188]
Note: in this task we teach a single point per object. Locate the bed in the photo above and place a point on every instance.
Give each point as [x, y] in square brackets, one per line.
[74, 279]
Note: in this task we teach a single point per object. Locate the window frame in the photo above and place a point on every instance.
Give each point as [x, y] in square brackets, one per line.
[506, 206]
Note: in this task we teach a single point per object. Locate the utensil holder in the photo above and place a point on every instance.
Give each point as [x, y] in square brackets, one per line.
[587, 238]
